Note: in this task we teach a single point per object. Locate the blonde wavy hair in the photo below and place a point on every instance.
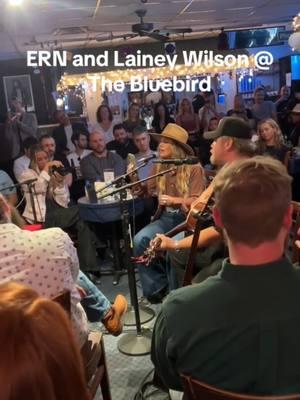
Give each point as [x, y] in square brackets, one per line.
[37, 148]
[278, 134]
[185, 99]
[182, 174]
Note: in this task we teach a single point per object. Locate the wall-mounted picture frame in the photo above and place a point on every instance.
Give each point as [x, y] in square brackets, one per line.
[18, 87]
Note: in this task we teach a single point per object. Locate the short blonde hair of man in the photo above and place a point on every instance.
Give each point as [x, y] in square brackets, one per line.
[252, 197]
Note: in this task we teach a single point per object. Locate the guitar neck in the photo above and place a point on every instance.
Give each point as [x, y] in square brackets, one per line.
[179, 228]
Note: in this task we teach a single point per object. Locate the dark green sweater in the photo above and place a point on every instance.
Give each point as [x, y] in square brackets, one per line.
[239, 330]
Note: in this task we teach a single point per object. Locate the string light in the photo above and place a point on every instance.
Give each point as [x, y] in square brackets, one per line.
[125, 75]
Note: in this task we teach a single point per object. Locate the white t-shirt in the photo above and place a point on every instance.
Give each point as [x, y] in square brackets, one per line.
[20, 165]
[209, 114]
[107, 134]
[76, 158]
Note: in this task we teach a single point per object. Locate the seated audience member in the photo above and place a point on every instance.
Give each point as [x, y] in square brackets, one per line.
[239, 330]
[240, 111]
[213, 124]
[93, 166]
[207, 111]
[188, 120]
[141, 139]
[5, 183]
[295, 96]
[22, 163]
[51, 199]
[271, 141]
[63, 134]
[122, 145]
[204, 145]
[231, 142]
[49, 146]
[176, 191]
[80, 141]
[161, 117]
[261, 108]
[198, 101]
[295, 132]
[282, 110]
[133, 119]
[46, 260]
[282, 101]
[104, 123]
[37, 342]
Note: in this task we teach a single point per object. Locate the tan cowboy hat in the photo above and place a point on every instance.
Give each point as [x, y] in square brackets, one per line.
[178, 135]
[296, 109]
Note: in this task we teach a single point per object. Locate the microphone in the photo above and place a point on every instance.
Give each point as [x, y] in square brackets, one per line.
[146, 159]
[178, 161]
[28, 182]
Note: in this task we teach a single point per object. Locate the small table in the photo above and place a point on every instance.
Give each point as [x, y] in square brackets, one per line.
[104, 212]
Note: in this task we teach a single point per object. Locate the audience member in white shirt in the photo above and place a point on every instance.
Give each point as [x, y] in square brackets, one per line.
[22, 163]
[46, 260]
[80, 141]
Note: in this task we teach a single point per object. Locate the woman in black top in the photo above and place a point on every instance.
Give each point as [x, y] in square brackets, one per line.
[271, 141]
[161, 117]
[239, 110]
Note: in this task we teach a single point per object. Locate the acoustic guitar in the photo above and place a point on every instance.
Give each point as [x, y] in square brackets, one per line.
[198, 208]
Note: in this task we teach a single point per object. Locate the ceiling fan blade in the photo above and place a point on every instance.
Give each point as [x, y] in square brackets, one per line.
[125, 36]
[178, 30]
[155, 36]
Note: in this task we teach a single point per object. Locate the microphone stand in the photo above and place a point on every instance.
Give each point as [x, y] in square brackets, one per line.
[139, 343]
[30, 186]
[121, 177]
[146, 314]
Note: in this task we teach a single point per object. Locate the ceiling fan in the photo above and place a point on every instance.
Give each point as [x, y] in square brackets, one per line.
[146, 29]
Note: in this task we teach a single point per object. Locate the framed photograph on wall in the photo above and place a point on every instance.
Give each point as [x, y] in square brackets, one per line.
[18, 87]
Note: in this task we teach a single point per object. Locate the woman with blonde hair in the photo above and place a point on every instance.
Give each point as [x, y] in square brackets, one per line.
[176, 191]
[39, 356]
[271, 141]
[51, 204]
[133, 119]
[188, 120]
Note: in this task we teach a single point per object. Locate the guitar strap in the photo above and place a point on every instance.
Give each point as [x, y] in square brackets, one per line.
[199, 215]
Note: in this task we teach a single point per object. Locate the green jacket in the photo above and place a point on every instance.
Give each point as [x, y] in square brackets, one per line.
[239, 330]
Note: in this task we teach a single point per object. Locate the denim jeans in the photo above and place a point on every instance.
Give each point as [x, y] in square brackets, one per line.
[157, 276]
[95, 304]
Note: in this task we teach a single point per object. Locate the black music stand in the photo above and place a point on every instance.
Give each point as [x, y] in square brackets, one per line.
[134, 343]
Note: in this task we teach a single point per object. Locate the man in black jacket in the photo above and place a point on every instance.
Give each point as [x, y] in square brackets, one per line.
[122, 144]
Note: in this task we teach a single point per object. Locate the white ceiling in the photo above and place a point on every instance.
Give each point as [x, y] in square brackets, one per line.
[42, 21]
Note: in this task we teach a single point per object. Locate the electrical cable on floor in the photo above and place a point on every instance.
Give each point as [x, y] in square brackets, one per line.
[141, 395]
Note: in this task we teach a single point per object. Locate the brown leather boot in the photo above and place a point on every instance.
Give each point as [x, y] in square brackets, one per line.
[113, 319]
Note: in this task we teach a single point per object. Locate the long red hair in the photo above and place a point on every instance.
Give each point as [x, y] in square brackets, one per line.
[39, 356]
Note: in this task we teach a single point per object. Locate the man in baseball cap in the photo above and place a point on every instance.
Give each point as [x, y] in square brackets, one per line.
[232, 141]
[230, 127]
